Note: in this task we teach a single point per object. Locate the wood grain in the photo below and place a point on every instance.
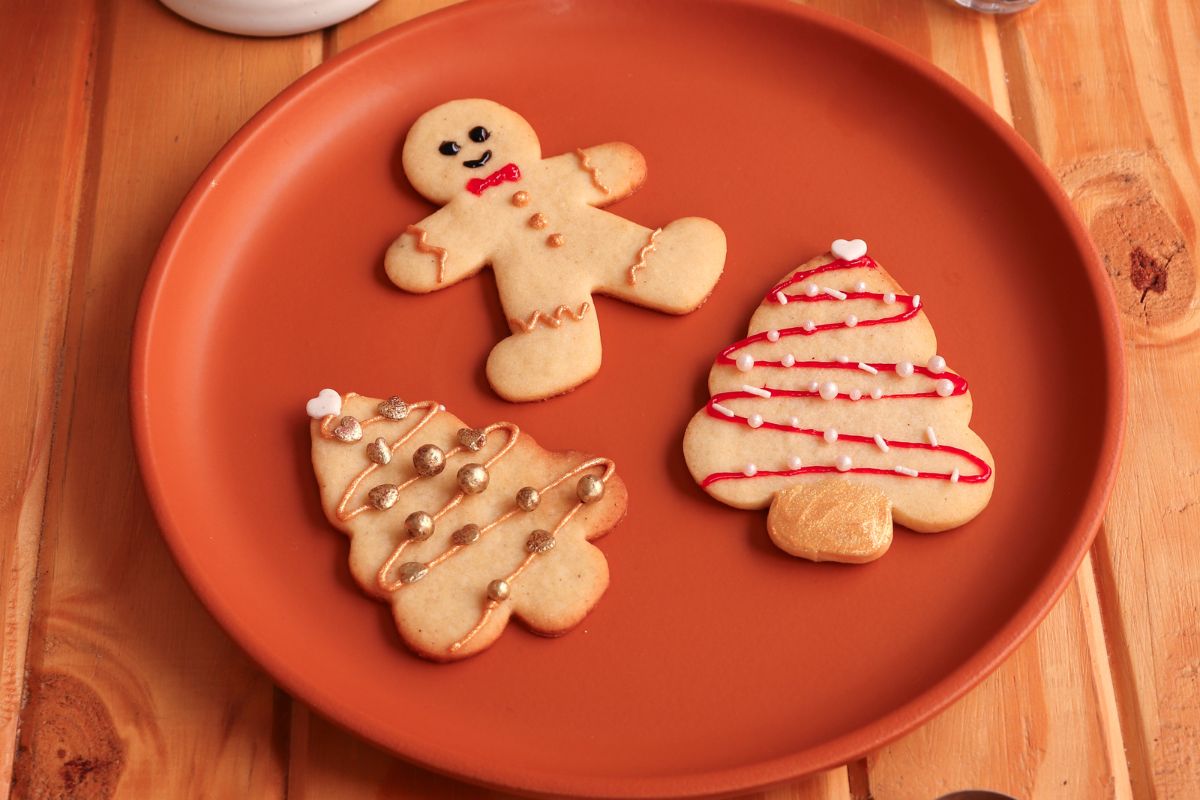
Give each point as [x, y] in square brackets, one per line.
[129, 688]
[42, 145]
[132, 684]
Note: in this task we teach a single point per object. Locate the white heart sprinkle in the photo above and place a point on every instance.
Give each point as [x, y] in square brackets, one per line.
[848, 250]
[325, 403]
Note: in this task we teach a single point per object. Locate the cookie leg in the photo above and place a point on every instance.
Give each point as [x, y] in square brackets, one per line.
[675, 269]
[548, 354]
[833, 520]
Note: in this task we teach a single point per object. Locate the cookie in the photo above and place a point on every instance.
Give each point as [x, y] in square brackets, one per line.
[458, 528]
[536, 222]
[838, 413]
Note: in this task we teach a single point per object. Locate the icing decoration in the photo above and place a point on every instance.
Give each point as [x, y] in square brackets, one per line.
[348, 430]
[856, 394]
[722, 409]
[931, 435]
[509, 172]
[556, 240]
[755, 390]
[520, 199]
[851, 250]
[861, 286]
[393, 408]
[851, 321]
[538, 221]
[327, 403]
[948, 386]
[424, 247]
[795, 463]
[843, 359]
[916, 301]
[782, 298]
[868, 368]
[889, 297]
[646, 250]
[831, 435]
[553, 320]
[835, 293]
[586, 164]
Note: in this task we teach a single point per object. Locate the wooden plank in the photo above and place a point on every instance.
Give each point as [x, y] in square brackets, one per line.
[1043, 725]
[1109, 88]
[132, 687]
[45, 100]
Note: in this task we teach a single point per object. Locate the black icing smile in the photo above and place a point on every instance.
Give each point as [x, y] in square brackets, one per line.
[479, 162]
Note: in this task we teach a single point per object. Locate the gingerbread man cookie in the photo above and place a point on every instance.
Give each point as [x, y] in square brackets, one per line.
[838, 413]
[537, 222]
[461, 528]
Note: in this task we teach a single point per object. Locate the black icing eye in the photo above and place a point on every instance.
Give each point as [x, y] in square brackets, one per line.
[449, 148]
[479, 134]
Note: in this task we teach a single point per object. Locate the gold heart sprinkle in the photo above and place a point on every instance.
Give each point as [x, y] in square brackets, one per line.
[379, 452]
[348, 430]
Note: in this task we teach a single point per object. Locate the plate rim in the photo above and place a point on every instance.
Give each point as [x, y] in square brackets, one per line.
[744, 777]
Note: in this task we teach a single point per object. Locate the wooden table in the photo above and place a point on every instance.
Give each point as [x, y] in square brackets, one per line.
[116, 682]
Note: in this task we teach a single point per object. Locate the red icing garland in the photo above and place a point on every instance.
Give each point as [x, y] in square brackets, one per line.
[726, 356]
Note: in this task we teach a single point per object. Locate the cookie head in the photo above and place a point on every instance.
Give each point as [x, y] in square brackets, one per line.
[461, 140]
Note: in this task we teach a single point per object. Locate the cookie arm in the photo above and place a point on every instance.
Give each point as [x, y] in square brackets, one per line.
[604, 174]
[439, 251]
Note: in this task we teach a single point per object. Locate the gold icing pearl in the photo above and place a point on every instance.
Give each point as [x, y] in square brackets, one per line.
[472, 438]
[538, 221]
[384, 496]
[419, 525]
[589, 489]
[520, 199]
[348, 430]
[379, 452]
[393, 408]
[467, 534]
[528, 498]
[556, 240]
[412, 571]
[473, 478]
[498, 590]
[540, 542]
[429, 460]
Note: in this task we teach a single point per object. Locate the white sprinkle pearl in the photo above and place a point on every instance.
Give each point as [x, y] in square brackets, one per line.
[861, 286]
[851, 321]
[745, 362]
[856, 394]
[814, 386]
[867, 368]
[795, 463]
[954, 476]
[844, 463]
[828, 390]
[876, 393]
[830, 435]
[904, 369]
[772, 336]
[889, 297]
[843, 359]
[944, 387]
[755, 421]
[812, 290]
[794, 422]
[782, 298]
[809, 325]
[881, 443]
[750, 471]
[931, 435]
[937, 365]
[788, 360]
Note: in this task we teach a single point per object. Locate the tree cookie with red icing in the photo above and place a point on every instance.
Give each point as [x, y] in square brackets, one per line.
[537, 222]
[458, 528]
[838, 413]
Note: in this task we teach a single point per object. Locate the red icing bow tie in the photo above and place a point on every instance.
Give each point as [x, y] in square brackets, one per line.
[509, 172]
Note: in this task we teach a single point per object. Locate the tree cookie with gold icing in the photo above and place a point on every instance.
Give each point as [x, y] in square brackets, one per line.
[459, 528]
[838, 413]
[537, 222]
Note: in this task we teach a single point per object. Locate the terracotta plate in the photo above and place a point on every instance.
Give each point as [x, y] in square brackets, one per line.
[714, 662]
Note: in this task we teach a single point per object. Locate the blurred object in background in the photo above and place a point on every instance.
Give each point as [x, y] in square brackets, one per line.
[267, 17]
[997, 6]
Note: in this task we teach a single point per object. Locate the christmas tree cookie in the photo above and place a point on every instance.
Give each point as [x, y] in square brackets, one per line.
[459, 528]
[838, 413]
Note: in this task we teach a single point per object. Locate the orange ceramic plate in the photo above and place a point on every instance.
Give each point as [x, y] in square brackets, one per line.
[714, 662]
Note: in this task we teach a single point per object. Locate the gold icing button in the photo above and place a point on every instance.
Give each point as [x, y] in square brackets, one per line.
[520, 199]
[556, 240]
[538, 221]
[833, 520]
